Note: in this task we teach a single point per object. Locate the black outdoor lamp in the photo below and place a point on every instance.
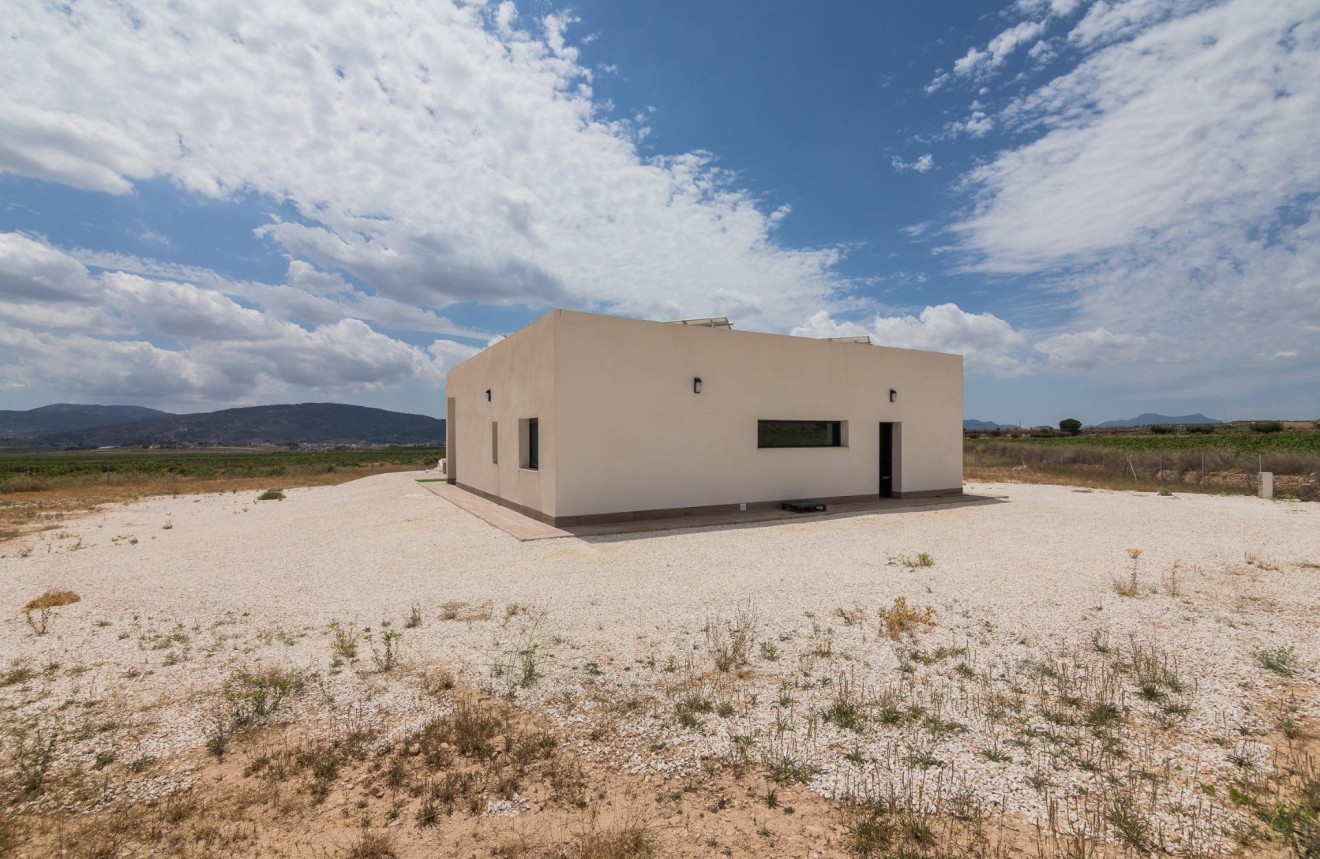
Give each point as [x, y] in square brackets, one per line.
[893, 395]
[696, 384]
[488, 395]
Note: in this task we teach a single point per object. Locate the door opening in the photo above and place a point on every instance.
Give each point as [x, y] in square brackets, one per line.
[886, 460]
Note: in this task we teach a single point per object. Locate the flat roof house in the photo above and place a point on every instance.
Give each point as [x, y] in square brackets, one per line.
[581, 418]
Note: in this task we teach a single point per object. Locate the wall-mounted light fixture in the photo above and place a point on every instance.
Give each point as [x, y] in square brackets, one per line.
[893, 395]
[696, 384]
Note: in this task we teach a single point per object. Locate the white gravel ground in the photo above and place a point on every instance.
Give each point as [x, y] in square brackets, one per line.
[177, 593]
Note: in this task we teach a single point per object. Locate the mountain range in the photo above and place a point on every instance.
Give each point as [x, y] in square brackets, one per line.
[83, 426]
[973, 424]
[1151, 419]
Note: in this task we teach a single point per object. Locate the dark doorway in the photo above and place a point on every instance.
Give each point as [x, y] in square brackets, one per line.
[886, 460]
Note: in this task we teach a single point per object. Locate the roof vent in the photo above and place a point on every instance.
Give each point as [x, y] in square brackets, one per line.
[706, 322]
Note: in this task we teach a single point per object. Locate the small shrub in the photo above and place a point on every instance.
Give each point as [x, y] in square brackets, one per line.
[1163, 429]
[1129, 587]
[344, 640]
[845, 711]
[373, 844]
[31, 758]
[1280, 660]
[629, 839]
[1267, 426]
[414, 617]
[850, 616]
[252, 697]
[386, 656]
[730, 642]
[1129, 824]
[44, 606]
[1200, 429]
[902, 618]
[271, 495]
[17, 674]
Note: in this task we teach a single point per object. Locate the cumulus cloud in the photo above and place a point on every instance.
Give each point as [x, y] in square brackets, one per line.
[1167, 186]
[987, 343]
[184, 335]
[923, 164]
[999, 48]
[466, 160]
[1086, 348]
[32, 271]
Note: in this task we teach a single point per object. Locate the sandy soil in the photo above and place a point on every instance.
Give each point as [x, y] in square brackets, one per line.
[177, 594]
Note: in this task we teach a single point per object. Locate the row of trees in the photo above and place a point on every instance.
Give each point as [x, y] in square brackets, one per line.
[1072, 426]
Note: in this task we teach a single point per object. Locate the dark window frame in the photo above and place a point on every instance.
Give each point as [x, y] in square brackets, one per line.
[767, 430]
[533, 444]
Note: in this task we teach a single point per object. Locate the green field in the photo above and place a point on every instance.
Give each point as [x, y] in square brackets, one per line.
[1237, 441]
[83, 465]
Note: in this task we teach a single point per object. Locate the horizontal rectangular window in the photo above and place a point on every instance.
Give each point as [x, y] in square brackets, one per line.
[799, 433]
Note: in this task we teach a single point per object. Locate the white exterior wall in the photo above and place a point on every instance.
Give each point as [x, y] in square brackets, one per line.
[632, 435]
[520, 373]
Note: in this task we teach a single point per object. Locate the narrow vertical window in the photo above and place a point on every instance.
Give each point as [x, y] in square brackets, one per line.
[495, 442]
[529, 443]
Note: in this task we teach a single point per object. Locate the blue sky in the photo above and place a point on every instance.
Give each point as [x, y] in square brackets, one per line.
[1108, 207]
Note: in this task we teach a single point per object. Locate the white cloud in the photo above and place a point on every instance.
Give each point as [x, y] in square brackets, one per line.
[1086, 349]
[999, 49]
[977, 124]
[923, 164]
[465, 160]
[92, 154]
[1107, 21]
[32, 271]
[987, 343]
[180, 335]
[1169, 190]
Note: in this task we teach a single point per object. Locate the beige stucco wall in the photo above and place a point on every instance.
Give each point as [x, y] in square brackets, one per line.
[632, 435]
[520, 373]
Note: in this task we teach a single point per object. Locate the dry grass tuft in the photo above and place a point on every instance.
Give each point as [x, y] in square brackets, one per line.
[631, 838]
[52, 599]
[373, 844]
[40, 609]
[903, 619]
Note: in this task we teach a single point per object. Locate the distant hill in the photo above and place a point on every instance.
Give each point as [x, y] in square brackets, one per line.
[306, 423]
[972, 424]
[1149, 419]
[66, 417]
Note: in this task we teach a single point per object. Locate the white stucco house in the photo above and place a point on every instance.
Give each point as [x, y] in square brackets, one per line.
[581, 418]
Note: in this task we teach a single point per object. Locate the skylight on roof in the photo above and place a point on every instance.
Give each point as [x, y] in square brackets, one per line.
[706, 322]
